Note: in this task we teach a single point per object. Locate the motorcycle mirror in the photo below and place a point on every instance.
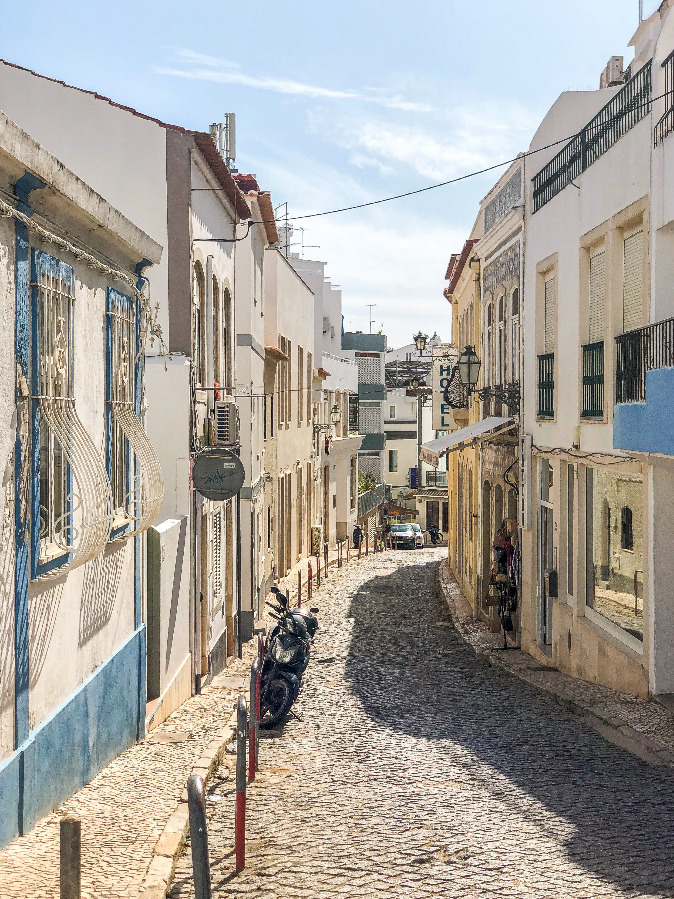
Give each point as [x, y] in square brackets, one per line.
[274, 590]
[314, 609]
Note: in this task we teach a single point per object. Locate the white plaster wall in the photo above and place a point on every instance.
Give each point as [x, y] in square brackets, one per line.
[120, 155]
[7, 433]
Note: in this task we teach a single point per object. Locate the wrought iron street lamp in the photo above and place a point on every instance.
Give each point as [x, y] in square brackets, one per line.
[335, 418]
[469, 372]
[420, 340]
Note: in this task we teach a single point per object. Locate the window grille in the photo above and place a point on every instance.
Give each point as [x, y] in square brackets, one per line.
[546, 385]
[300, 384]
[71, 501]
[354, 414]
[593, 381]
[597, 296]
[217, 553]
[369, 419]
[133, 467]
[633, 279]
[550, 315]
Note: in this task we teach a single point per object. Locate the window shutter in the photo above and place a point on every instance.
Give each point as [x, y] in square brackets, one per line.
[633, 274]
[550, 314]
[597, 296]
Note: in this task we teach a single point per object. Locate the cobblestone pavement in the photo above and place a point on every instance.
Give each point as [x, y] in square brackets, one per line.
[419, 770]
[123, 810]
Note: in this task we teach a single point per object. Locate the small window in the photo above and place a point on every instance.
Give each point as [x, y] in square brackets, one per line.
[626, 533]
[393, 460]
[391, 411]
[500, 309]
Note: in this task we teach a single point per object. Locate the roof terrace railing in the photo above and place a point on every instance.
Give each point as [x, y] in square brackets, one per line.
[622, 112]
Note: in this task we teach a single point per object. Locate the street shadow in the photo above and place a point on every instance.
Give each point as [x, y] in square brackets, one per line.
[412, 673]
[100, 589]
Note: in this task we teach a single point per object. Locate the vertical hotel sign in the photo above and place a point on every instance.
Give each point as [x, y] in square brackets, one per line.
[445, 358]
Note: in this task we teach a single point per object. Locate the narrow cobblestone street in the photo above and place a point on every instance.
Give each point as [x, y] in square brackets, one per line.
[419, 770]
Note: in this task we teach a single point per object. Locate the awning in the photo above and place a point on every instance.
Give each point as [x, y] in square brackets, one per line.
[432, 451]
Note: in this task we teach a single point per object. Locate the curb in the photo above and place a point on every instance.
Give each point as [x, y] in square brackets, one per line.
[157, 880]
[614, 729]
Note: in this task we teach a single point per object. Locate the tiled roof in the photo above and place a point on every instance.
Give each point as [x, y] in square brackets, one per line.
[459, 264]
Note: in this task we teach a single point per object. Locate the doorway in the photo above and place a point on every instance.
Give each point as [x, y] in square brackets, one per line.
[545, 554]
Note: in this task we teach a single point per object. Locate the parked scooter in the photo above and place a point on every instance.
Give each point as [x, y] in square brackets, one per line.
[435, 534]
[286, 657]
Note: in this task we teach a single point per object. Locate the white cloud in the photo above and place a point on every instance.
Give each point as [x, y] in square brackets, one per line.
[224, 71]
[469, 140]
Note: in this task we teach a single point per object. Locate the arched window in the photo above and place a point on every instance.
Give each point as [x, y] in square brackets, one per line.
[626, 533]
[198, 321]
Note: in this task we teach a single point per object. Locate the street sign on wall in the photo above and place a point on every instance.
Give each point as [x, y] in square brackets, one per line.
[445, 358]
[218, 474]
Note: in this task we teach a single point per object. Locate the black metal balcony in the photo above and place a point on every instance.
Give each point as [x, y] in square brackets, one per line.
[436, 478]
[592, 404]
[622, 112]
[546, 385]
[640, 351]
[665, 123]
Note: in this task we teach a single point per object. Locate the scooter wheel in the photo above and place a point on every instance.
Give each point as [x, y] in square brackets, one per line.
[278, 699]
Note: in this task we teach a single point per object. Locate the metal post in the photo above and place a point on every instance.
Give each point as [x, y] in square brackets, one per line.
[318, 570]
[288, 596]
[360, 543]
[253, 723]
[240, 816]
[309, 579]
[339, 554]
[348, 547]
[325, 554]
[299, 587]
[239, 603]
[71, 857]
[367, 541]
[258, 687]
[196, 803]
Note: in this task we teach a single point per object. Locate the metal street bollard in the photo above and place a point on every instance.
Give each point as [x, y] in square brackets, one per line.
[253, 724]
[71, 857]
[288, 597]
[339, 554]
[367, 542]
[299, 587]
[318, 570]
[309, 579]
[196, 802]
[240, 815]
[360, 543]
[348, 547]
[325, 554]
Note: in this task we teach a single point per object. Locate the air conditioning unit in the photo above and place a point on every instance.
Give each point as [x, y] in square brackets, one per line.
[226, 430]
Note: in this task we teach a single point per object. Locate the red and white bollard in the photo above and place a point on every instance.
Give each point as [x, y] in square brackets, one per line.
[348, 546]
[253, 724]
[318, 570]
[309, 581]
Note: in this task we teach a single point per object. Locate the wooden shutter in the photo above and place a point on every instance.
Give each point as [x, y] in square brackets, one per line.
[550, 315]
[597, 296]
[633, 279]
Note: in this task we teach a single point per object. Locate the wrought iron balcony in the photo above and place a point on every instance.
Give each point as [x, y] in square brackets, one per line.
[592, 404]
[640, 351]
[436, 478]
[665, 123]
[623, 111]
[546, 385]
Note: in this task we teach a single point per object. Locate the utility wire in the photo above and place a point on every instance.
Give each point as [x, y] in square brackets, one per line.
[429, 187]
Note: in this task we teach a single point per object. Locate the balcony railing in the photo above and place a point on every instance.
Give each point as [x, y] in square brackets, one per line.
[665, 123]
[640, 351]
[622, 112]
[546, 385]
[592, 405]
[436, 478]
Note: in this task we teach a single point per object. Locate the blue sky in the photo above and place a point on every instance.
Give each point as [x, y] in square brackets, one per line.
[341, 103]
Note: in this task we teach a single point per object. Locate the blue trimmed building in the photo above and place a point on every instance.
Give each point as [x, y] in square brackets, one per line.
[81, 481]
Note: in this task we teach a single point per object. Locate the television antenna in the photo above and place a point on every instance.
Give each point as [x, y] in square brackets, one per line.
[371, 306]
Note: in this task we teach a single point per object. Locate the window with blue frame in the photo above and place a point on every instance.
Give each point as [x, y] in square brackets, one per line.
[122, 377]
[53, 533]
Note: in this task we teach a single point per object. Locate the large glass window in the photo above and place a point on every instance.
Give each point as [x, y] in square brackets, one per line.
[614, 545]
